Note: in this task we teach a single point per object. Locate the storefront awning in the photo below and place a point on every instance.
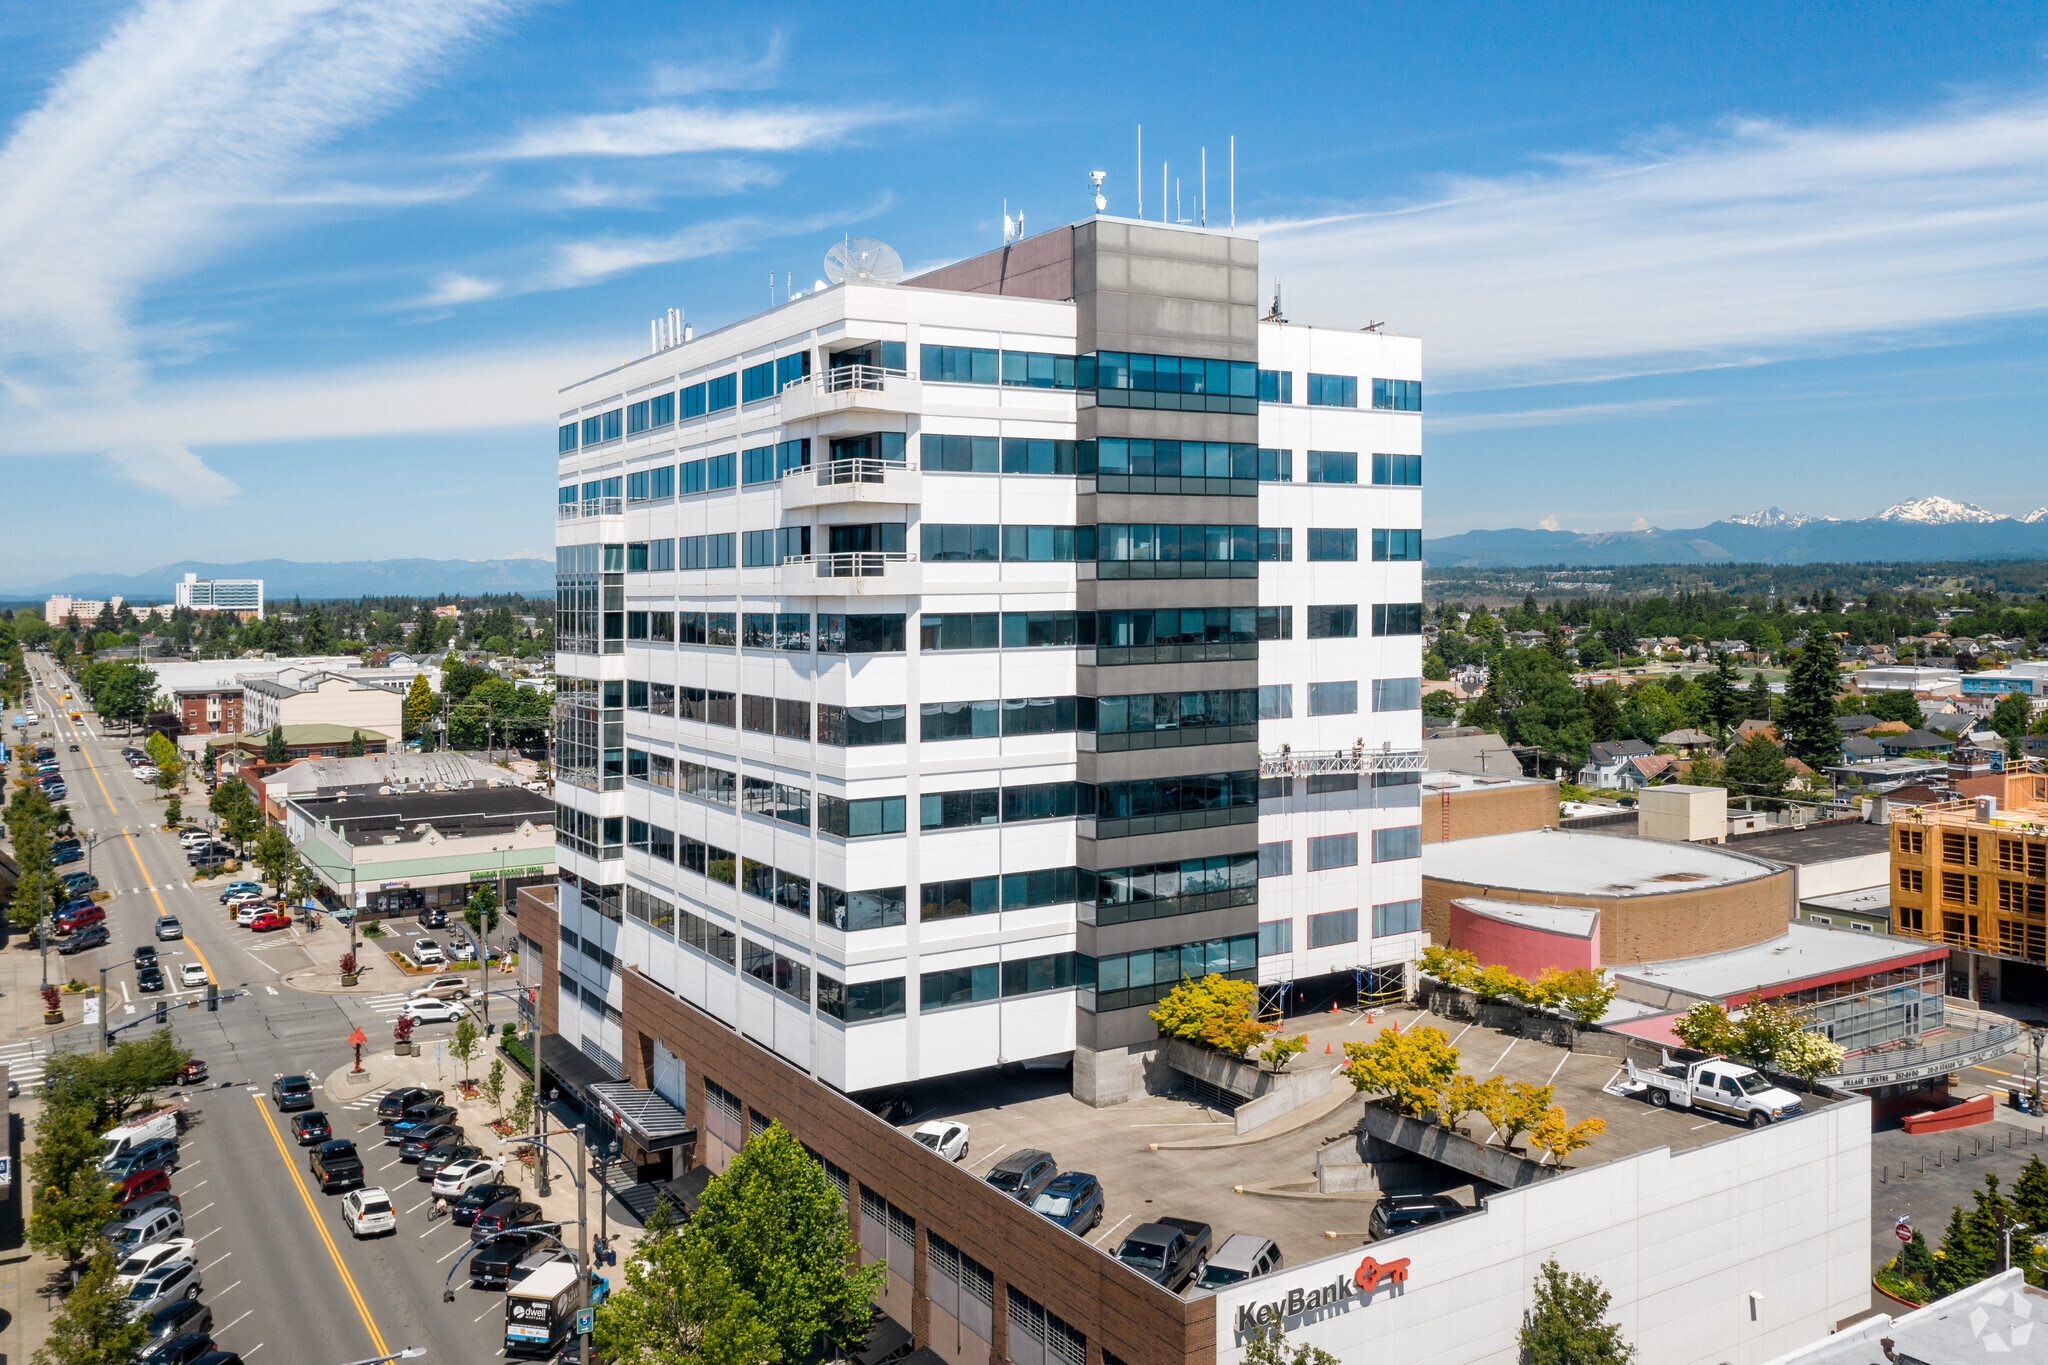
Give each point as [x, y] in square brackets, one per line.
[647, 1118]
[686, 1191]
[564, 1067]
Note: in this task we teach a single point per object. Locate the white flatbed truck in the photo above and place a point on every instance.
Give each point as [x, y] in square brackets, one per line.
[1716, 1085]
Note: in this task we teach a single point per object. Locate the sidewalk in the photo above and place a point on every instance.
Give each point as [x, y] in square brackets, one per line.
[385, 1071]
[379, 974]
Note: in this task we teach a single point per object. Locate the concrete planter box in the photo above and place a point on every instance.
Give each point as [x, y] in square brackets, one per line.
[349, 978]
[1544, 1029]
[1600, 1043]
[1387, 1135]
[1507, 1018]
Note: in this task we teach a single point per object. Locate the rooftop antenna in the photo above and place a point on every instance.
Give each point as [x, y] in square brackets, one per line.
[863, 260]
[1101, 204]
[787, 285]
[1202, 205]
[1141, 170]
[1162, 191]
[771, 289]
[1233, 182]
[1009, 228]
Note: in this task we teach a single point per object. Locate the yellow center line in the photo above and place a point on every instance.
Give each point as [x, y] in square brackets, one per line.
[136, 853]
[320, 1226]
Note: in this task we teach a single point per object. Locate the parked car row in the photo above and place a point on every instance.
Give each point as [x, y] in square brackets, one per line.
[158, 1267]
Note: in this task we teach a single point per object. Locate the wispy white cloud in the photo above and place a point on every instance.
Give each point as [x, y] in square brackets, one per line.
[1571, 415]
[709, 176]
[349, 193]
[135, 166]
[454, 287]
[675, 129]
[738, 73]
[1760, 241]
[174, 471]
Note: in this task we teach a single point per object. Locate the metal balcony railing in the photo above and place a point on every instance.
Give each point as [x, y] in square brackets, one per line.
[1292, 762]
[843, 377]
[590, 507]
[863, 564]
[1909, 1058]
[833, 472]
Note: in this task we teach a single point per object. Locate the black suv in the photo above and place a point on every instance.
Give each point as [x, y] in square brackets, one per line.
[397, 1102]
[1405, 1212]
[1023, 1174]
[91, 936]
[291, 1092]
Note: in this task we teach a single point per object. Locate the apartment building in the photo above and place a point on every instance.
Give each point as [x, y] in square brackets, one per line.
[1973, 873]
[948, 668]
[346, 698]
[243, 595]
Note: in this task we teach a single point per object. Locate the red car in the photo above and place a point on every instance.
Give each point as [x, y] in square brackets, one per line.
[269, 920]
[141, 1183]
[192, 1073]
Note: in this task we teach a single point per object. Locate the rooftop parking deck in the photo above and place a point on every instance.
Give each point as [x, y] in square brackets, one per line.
[1165, 1155]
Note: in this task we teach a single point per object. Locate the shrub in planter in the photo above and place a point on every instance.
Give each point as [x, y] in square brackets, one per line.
[349, 969]
[53, 1003]
[401, 1029]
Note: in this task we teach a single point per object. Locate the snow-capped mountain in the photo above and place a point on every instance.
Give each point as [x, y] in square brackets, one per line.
[1918, 530]
[1938, 512]
[1771, 517]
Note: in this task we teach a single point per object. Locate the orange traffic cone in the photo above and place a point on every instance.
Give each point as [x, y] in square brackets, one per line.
[1333, 1007]
[1326, 1049]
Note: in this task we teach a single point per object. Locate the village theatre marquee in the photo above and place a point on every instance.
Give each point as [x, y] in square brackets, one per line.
[1739, 1251]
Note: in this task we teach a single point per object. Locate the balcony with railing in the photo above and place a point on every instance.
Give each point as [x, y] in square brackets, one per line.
[851, 389]
[1292, 762]
[880, 573]
[590, 507]
[836, 482]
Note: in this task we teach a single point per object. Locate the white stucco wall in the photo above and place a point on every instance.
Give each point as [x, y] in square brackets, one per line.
[1844, 874]
[1680, 1241]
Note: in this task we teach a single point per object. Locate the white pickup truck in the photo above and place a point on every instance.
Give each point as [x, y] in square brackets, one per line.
[1717, 1085]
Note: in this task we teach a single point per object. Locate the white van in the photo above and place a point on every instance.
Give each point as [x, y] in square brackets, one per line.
[160, 1123]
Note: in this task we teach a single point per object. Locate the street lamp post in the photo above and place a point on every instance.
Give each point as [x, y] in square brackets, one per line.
[2035, 1105]
[541, 1105]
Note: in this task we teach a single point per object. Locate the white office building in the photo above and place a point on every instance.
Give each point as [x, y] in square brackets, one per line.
[949, 667]
[220, 594]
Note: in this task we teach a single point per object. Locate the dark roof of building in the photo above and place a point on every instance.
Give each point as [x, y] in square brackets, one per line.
[454, 814]
[1613, 749]
[1918, 739]
[1855, 725]
[1817, 843]
[1862, 746]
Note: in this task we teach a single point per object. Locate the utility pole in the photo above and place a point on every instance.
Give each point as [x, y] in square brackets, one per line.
[583, 1265]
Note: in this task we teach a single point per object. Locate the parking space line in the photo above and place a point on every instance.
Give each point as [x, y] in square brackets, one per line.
[320, 1226]
[223, 1256]
[467, 1246]
[244, 1315]
[986, 1155]
[1112, 1229]
[1559, 1067]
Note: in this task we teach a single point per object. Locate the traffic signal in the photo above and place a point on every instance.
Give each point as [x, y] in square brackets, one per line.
[212, 996]
[163, 1013]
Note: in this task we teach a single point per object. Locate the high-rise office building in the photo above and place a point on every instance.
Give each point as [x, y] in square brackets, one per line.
[221, 594]
[949, 668]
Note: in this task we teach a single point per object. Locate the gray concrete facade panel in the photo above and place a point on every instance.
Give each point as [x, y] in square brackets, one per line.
[1160, 848]
[1126, 679]
[1134, 765]
[1101, 940]
[1154, 424]
[1171, 509]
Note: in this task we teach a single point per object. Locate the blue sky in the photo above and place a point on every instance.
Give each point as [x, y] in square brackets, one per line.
[300, 279]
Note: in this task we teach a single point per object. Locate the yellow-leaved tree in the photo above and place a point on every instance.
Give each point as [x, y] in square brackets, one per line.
[1213, 1011]
[1559, 1138]
[1410, 1066]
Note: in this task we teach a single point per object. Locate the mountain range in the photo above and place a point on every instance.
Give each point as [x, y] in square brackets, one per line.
[283, 579]
[1932, 528]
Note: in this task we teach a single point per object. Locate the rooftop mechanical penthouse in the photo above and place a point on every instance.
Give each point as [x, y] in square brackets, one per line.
[950, 667]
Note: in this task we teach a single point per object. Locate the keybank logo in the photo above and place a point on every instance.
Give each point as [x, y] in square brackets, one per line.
[1370, 1276]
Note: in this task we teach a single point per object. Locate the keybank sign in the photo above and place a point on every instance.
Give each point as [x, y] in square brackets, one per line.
[1302, 1302]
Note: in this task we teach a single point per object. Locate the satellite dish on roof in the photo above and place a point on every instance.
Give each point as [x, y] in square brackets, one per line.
[863, 260]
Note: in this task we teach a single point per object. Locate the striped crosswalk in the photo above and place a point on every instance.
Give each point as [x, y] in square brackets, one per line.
[24, 1061]
[368, 1101]
[391, 1003]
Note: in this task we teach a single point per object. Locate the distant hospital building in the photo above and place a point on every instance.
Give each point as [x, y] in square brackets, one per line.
[221, 594]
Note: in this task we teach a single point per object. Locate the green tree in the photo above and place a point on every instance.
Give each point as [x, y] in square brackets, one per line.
[240, 817]
[1760, 701]
[31, 822]
[493, 1087]
[1603, 711]
[466, 1043]
[1756, 767]
[2011, 717]
[1902, 707]
[1582, 992]
[316, 636]
[1807, 718]
[2030, 1196]
[1513, 1107]
[273, 745]
[107, 1083]
[275, 855]
[1279, 1051]
[1268, 1346]
[1566, 1324]
[481, 914]
[72, 1202]
[1724, 705]
[679, 1305]
[1213, 1011]
[1533, 694]
[355, 745]
[94, 1327]
[419, 705]
[522, 1106]
[774, 1221]
[1970, 1244]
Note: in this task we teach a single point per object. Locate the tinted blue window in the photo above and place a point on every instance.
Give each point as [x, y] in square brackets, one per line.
[1399, 471]
[1276, 466]
[662, 409]
[1176, 459]
[1332, 543]
[661, 483]
[792, 455]
[1037, 370]
[958, 365]
[693, 401]
[636, 418]
[757, 465]
[693, 476]
[1333, 390]
[612, 426]
[721, 393]
[757, 382]
[1276, 386]
[591, 428]
[636, 487]
[1397, 395]
[1397, 618]
[1332, 466]
[790, 368]
[720, 471]
[565, 438]
[1396, 546]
